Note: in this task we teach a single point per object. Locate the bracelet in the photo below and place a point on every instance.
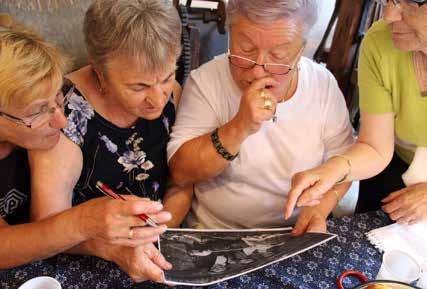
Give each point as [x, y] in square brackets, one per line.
[350, 168]
[219, 148]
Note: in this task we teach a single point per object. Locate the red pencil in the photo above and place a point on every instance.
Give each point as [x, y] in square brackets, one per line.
[106, 190]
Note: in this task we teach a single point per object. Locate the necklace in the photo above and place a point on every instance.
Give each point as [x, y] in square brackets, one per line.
[421, 72]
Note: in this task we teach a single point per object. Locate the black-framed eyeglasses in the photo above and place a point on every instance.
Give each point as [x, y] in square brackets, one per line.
[398, 2]
[273, 68]
[45, 114]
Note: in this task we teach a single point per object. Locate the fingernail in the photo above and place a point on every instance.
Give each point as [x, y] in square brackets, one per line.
[158, 206]
[164, 228]
[302, 201]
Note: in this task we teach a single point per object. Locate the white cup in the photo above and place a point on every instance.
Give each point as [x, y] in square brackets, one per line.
[399, 266]
[43, 282]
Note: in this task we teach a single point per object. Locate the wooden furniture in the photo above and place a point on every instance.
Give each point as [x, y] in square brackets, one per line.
[351, 19]
[191, 34]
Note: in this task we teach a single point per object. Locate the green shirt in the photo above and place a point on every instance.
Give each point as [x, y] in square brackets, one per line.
[387, 83]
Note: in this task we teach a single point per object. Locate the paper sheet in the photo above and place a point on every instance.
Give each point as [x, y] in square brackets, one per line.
[204, 257]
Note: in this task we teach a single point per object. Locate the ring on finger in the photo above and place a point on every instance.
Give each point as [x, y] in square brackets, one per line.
[268, 104]
[130, 235]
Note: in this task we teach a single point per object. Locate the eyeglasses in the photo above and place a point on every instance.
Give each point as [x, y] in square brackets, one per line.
[44, 115]
[273, 68]
[398, 2]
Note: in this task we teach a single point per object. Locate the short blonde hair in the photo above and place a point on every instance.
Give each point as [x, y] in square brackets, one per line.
[30, 68]
[148, 30]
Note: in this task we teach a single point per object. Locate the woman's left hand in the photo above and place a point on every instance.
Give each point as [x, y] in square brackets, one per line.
[408, 205]
[310, 219]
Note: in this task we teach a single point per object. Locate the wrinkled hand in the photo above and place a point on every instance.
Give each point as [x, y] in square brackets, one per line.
[408, 205]
[112, 220]
[142, 263]
[251, 112]
[308, 187]
[310, 219]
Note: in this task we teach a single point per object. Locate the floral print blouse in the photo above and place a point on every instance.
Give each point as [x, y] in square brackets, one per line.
[129, 160]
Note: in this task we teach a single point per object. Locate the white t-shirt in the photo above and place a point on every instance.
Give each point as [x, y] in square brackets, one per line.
[252, 191]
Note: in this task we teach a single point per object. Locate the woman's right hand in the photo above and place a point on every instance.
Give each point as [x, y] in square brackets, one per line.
[308, 187]
[113, 220]
[252, 112]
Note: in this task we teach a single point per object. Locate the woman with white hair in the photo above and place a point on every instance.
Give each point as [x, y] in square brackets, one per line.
[119, 120]
[252, 118]
[390, 153]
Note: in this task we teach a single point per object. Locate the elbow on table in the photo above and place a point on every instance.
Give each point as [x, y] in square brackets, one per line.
[4, 266]
[8, 260]
[8, 264]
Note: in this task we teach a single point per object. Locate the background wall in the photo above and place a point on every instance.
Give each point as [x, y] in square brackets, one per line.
[326, 7]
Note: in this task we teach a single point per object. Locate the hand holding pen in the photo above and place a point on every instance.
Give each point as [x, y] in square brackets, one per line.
[106, 190]
[119, 222]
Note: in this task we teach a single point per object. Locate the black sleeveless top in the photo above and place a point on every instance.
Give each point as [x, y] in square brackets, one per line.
[129, 160]
[15, 187]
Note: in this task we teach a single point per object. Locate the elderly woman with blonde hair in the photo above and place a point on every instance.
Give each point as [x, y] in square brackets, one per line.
[119, 119]
[252, 118]
[31, 116]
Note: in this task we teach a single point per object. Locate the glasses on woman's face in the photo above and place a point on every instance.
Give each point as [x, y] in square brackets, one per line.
[273, 68]
[44, 115]
[408, 2]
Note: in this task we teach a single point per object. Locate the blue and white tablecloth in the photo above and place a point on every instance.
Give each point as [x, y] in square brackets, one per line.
[316, 268]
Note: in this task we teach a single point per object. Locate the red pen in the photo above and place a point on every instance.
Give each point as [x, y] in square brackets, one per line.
[106, 190]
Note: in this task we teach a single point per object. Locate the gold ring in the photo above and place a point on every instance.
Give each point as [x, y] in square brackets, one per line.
[268, 104]
[130, 235]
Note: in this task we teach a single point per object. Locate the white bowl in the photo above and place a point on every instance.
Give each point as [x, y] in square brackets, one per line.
[43, 282]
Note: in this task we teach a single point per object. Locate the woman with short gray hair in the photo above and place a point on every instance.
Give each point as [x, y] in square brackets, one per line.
[256, 116]
[260, 11]
[148, 31]
[119, 120]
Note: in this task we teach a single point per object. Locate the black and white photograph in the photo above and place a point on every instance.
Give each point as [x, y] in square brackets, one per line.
[204, 257]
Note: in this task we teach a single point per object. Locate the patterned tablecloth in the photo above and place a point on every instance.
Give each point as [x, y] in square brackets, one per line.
[316, 268]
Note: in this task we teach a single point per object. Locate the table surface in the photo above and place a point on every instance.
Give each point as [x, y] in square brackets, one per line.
[316, 268]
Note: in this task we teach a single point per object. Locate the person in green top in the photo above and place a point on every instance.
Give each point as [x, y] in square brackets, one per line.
[393, 106]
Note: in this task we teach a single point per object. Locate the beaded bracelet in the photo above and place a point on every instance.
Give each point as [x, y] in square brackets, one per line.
[219, 148]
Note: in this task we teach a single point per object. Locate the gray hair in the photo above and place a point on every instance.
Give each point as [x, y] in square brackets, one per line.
[272, 10]
[148, 30]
